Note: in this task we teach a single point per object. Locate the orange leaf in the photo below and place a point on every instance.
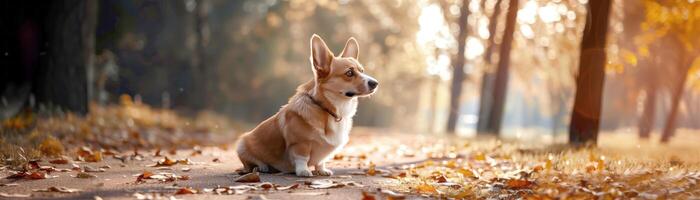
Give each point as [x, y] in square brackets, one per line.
[466, 172]
[518, 184]
[425, 188]
[479, 156]
[36, 175]
[367, 196]
[371, 170]
[186, 191]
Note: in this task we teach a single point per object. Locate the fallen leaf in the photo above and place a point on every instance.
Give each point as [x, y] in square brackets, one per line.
[425, 188]
[466, 172]
[37, 175]
[252, 177]
[293, 186]
[367, 196]
[14, 195]
[479, 156]
[33, 164]
[165, 162]
[60, 161]
[265, 185]
[518, 184]
[86, 154]
[186, 190]
[441, 179]
[371, 171]
[144, 175]
[324, 184]
[352, 183]
[58, 189]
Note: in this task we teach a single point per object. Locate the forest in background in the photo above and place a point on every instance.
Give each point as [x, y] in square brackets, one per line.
[243, 59]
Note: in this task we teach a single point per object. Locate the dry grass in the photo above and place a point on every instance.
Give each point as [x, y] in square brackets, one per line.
[621, 168]
[124, 127]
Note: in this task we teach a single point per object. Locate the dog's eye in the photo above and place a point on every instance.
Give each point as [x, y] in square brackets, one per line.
[350, 73]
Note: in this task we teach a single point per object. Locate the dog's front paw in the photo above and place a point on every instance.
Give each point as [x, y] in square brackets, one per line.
[324, 172]
[304, 172]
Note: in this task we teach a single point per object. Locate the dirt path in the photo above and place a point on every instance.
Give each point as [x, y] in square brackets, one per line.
[213, 168]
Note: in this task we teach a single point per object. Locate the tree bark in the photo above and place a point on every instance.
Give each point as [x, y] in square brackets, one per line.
[670, 126]
[646, 121]
[485, 100]
[493, 24]
[458, 70]
[200, 71]
[500, 85]
[63, 80]
[585, 119]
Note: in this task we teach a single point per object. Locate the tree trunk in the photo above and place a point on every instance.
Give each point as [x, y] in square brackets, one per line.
[646, 121]
[485, 100]
[493, 125]
[63, 80]
[200, 73]
[493, 24]
[485, 103]
[435, 83]
[670, 126]
[585, 119]
[458, 70]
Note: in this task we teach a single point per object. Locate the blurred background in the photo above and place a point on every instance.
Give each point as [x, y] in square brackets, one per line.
[243, 59]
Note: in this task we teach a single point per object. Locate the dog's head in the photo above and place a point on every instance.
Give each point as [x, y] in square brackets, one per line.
[342, 75]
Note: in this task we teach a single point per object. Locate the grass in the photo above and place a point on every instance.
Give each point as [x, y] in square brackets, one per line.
[621, 167]
[124, 127]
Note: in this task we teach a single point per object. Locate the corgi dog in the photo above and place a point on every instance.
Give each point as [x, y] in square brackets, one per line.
[316, 121]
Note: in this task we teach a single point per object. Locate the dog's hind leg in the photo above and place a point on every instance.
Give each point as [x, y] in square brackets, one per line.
[245, 158]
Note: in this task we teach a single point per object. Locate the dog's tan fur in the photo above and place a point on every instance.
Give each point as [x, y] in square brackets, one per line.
[316, 121]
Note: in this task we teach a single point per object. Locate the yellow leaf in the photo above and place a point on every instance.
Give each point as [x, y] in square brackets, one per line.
[644, 51]
[480, 156]
[629, 57]
[466, 172]
[451, 164]
[425, 188]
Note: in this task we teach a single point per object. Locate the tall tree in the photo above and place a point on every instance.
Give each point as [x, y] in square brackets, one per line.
[485, 100]
[201, 73]
[71, 33]
[585, 119]
[458, 69]
[500, 84]
[676, 95]
[676, 22]
[646, 121]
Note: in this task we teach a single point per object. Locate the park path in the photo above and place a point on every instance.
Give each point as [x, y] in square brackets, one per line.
[215, 167]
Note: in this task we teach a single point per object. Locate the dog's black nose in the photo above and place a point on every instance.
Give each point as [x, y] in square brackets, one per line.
[372, 84]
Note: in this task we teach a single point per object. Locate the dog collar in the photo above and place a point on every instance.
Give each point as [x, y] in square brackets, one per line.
[337, 119]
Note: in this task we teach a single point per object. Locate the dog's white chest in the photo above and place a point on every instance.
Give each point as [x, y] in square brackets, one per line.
[337, 131]
[336, 134]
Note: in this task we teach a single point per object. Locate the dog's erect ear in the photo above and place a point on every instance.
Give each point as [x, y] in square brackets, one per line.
[352, 49]
[321, 56]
